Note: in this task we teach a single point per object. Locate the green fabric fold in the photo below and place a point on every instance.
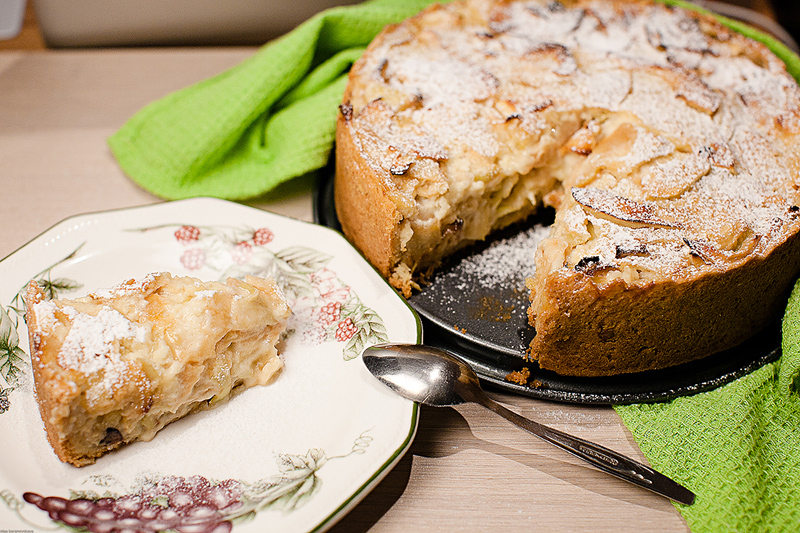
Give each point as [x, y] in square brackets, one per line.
[265, 121]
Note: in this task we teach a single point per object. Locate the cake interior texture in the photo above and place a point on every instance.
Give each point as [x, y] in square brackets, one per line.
[667, 144]
[118, 365]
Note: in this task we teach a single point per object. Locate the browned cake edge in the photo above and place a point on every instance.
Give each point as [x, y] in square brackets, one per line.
[50, 390]
[661, 325]
[368, 215]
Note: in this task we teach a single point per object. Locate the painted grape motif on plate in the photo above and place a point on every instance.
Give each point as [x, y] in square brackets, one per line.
[192, 504]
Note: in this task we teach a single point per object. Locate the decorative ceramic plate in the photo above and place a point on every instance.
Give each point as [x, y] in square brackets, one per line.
[291, 456]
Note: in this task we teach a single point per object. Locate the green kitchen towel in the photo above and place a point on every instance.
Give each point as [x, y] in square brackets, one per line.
[272, 117]
[265, 121]
[737, 447]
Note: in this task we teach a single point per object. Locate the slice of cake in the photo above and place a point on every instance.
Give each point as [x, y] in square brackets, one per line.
[118, 365]
[668, 145]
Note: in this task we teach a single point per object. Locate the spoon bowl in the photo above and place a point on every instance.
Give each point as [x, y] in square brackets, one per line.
[423, 374]
[438, 378]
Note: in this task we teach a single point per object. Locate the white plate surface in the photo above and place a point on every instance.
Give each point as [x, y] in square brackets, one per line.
[291, 456]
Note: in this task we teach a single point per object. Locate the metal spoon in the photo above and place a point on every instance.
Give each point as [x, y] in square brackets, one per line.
[435, 377]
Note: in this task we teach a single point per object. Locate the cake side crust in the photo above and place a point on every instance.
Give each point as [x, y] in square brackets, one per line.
[660, 325]
[365, 207]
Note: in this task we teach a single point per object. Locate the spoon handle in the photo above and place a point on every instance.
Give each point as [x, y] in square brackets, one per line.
[606, 460]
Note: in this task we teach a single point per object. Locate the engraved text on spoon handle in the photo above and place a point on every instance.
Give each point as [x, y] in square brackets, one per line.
[603, 458]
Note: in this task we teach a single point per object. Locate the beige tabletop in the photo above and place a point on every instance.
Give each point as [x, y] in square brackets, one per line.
[467, 469]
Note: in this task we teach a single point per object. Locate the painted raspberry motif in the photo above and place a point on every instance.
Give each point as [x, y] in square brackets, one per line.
[262, 236]
[330, 313]
[193, 259]
[242, 253]
[345, 330]
[328, 287]
[329, 309]
[187, 234]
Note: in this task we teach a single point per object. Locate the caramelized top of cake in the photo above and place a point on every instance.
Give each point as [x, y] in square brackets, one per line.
[667, 142]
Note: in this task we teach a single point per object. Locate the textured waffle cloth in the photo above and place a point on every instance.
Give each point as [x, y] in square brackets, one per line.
[737, 447]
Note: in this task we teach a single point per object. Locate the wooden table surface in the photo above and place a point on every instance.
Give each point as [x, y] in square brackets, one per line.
[467, 470]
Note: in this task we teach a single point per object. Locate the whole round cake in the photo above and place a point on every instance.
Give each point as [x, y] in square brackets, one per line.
[667, 144]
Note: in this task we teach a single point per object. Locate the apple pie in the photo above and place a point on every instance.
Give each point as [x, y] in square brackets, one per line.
[118, 365]
[666, 143]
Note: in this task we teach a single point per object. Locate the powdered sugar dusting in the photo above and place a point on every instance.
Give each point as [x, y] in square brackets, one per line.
[458, 71]
[92, 344]
[439, 81]
[210, 294]
[505, 259]
[505, 263]
[646, 147]
[45, 312]
[127, 288]
[714, 117]
[463, 129]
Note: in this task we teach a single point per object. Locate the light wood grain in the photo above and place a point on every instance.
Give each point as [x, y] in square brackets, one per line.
[56, 112]
[467, 469]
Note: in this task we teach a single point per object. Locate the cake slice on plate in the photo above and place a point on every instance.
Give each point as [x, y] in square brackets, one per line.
[118, 365]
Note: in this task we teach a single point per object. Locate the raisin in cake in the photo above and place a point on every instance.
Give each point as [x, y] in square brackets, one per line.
[667, 144]
[118, 365]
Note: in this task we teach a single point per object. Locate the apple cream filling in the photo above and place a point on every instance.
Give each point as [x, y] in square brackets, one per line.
[117, 366]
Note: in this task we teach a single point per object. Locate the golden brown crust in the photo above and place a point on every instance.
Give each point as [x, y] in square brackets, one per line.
[47, 398]
[368, 216]
[660, 325]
